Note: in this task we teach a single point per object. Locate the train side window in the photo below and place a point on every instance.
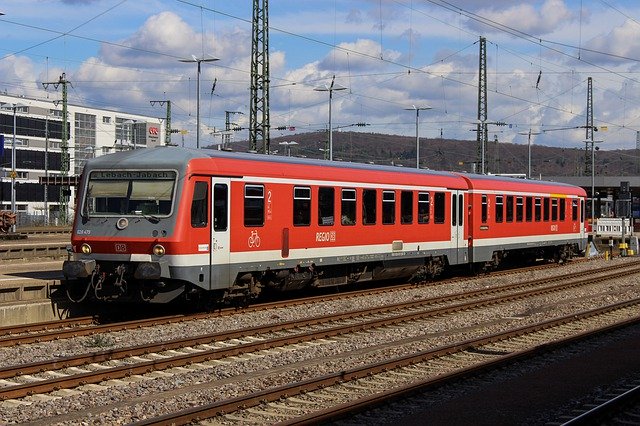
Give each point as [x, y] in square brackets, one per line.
[546, 209]
[528, 211]
[424, 205]
[499, 208]
[220, 192]
[348, 207]
[199, 205]
[563, 209]
[554, 209]
[574, 210]
[326, 206]
[253, 205]
[485, 208]
[406, 207]
[301, 206]
[438, 207]
[538, 210]
[454, 208]
[519, 209]
[509, 208]
[369, 207]
[388, 207]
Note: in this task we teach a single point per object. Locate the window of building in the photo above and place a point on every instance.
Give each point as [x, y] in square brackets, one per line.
[406, 207]
[253, 205]
[388, 207]
[199, 204]
[106, 119]
[439, 207]
[348, 207]
[301, 206]
[369, 207]
[326, 206]
[55, 113]
[85, 135]
[424, 205]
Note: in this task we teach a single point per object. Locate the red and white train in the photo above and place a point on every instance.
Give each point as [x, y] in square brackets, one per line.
[166, 223]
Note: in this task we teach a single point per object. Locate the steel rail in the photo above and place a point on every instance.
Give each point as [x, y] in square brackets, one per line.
[21, 390]
[282, 392]
[9, 340]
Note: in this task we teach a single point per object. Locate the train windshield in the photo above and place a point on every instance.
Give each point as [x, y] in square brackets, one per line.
[127, 192]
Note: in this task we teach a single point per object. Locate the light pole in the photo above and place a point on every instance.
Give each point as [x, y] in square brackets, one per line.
[593, 178]
[198, 61]
[418, 109]
[330, 89]
[14, 174]
[529, 150]
[482, 128]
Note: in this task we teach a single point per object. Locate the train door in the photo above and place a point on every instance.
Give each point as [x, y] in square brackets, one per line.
[458, 240]
[220, 240]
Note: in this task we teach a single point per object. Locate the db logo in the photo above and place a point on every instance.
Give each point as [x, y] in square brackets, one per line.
[153, 131]
[121, 248]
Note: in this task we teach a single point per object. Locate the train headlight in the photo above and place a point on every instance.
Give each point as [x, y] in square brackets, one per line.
[85, 248]
[122, 223]
[158, 250]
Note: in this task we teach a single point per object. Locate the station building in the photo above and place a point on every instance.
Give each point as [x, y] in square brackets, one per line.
[613, 196]
[34, 128]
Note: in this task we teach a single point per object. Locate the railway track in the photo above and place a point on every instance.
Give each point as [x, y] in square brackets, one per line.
[619, 406]
[336, 395]
[87, 326]
[98, 367]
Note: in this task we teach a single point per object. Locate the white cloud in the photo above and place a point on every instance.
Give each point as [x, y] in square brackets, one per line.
[623, 41]
[526, 18]
[364, 54]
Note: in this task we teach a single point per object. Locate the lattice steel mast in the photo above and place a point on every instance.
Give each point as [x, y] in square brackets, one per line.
[482, 135]
[259, 112]
[589, 128]
[64, 150]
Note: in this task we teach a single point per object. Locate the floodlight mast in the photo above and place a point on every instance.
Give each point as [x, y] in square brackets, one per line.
[330, 88]
[198, 61]
[418, 109]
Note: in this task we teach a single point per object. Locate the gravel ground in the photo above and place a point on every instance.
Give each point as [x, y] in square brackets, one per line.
[220, 380]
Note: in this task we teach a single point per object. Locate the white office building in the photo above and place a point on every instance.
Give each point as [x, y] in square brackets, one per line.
[35, 128]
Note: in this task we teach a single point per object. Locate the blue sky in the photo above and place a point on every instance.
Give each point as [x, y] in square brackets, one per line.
[389, 54]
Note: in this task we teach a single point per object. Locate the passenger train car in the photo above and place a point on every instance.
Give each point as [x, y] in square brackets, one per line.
[168, 223]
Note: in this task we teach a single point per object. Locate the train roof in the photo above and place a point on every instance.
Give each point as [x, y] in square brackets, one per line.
[239, 163]
[495, 182]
